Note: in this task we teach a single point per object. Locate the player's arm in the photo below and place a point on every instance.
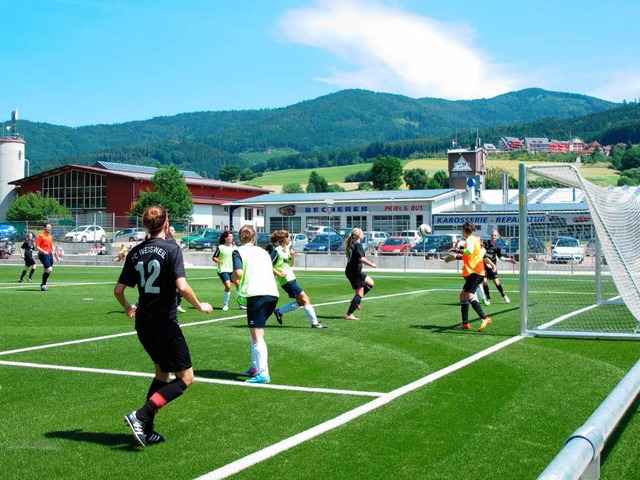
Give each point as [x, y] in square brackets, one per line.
[118, 292]
[367, 262]
[237, 267]
[216, 257]
[187, 293]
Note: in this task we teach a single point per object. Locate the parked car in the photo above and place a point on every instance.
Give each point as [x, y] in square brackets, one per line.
[412, 235]
[129, 235]
[534, 246]
[567, 249]
[6, 231]
[263, 239]
[87, 233]
[512, 247]
[298, 241]
[208, 241]
[323, 242]
[395, 246]
[376, 238]
[187, 240]
[432, 246]
[313, 230]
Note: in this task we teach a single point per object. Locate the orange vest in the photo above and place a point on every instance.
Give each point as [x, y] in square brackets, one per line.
[45, 242]
[473, 262]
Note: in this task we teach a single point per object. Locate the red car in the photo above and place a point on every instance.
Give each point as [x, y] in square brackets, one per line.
[395, 246]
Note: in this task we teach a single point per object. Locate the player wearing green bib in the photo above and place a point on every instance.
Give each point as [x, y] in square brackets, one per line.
[282, 257]
[223, 257]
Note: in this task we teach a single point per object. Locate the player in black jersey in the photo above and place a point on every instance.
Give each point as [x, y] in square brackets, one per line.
[26, 251]
[494, 252]
[360, 281]
[156, 267]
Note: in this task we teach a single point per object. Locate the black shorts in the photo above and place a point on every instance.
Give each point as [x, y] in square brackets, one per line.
[29, 261]
[356, 279]
[472, 282]
[292, 288]
[165, 344]
[259, 309]
[491, 274]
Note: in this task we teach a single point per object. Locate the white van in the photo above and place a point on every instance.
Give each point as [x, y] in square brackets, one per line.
[376, 238]
[411, 235]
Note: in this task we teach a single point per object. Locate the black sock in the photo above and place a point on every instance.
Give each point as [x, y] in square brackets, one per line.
[476, 306]
[353, 306]
[366, 289]
[486, 291]
[500, 289]
[159, 399]
[156, 385]
[24, 272]
[464, 309]
[31, 272]
[45, 277]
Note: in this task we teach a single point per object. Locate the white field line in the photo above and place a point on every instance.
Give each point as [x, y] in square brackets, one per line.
[268, 452]
[198, 379]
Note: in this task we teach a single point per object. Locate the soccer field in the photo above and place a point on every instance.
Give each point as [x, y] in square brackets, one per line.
[399, 394]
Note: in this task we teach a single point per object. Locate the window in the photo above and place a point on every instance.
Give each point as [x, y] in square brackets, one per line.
[77, 190]
[292, 224]
[248, 214]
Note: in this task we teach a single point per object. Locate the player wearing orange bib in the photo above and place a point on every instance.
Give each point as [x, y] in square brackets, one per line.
[44, 245]
[473, 272]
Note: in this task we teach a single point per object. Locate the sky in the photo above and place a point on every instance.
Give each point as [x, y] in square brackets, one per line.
[86, 62]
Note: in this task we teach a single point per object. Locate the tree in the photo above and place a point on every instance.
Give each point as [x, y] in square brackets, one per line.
[292, 188]
[317, 183]
[33, 207]
[386, 173]
[416, 178]
[170, 190]
[229, 173]
[247, 174]
[493, 179]
[441, 179]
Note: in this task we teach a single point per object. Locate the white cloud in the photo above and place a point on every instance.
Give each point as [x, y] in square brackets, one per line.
[391, 50]
[620, 85]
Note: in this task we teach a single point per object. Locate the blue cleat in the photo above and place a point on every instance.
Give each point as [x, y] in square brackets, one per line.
[259, 379]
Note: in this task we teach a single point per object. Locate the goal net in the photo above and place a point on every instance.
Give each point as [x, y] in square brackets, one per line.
[582, 274]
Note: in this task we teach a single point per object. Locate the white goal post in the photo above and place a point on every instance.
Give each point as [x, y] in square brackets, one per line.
[585, 281]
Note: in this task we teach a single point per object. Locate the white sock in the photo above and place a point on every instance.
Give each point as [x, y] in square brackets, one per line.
[226, 297]
[311, 313]
[262, 357]
[480, 293]
[254, 355]
[289, 307]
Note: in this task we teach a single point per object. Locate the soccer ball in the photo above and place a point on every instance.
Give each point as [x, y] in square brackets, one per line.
[424, 230]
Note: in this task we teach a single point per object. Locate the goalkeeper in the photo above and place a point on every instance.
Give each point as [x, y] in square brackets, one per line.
[473, 272]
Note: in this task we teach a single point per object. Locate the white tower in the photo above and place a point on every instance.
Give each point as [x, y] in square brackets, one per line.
[12, 162]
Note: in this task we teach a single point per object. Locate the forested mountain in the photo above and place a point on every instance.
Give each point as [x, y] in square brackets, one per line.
[346, 120]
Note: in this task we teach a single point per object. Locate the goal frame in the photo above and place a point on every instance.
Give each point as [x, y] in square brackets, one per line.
[525, 329]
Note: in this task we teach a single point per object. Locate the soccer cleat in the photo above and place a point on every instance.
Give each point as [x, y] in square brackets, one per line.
[29, 280]
[351, 317]
[251, 372]
[181, 310]
[20, 281]
[155, 437]
[462, 326]
[486, 301]
[485, 323]
[318, 325]
[506, 299]
[225, 308]
[278, 315]
[44, 288]
[259, 379]
[242, 307]
[137, 427]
